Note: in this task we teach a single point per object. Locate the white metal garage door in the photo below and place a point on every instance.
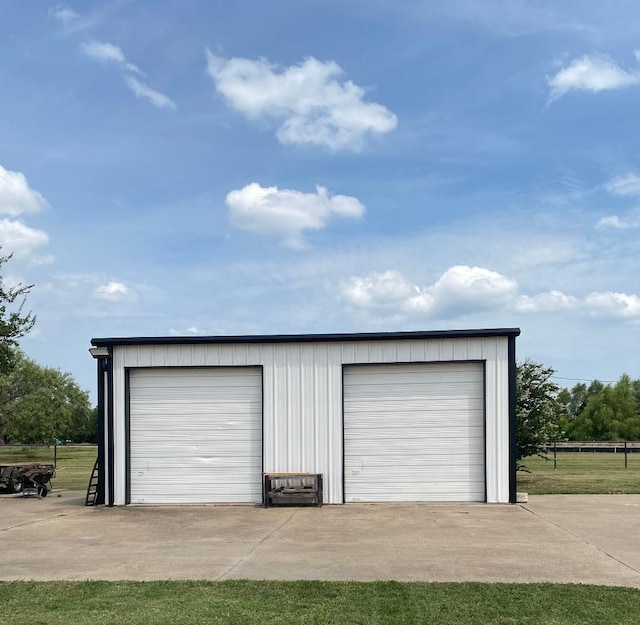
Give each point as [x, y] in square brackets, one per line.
[195, 435]
[414, 432]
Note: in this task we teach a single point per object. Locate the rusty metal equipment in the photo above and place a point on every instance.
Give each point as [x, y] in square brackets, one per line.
[28, 479]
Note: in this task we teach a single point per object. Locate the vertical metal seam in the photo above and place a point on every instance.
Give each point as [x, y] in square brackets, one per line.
[484, 426]
[512, 419]
[344, 493]
[262, 444]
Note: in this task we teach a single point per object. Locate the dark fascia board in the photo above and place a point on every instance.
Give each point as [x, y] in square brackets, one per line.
[307, 338]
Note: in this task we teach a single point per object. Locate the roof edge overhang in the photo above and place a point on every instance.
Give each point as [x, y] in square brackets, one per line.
[308, 338]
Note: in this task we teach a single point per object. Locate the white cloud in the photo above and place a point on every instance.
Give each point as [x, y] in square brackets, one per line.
[144, 91]
[113, 292]
[64, 14]
[545, 302]
[309, 99]
[287, 213]
[463, 290]
[16, 197]
[616, 305]
[192, 330]
[108, 53]
[460, 290]
[384, 289]
[21, 240]
[592, 73]
[613, 221]
[629, 184]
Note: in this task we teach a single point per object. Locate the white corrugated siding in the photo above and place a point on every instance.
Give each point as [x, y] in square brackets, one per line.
[196, 435]
[302, 385]
[414, 432]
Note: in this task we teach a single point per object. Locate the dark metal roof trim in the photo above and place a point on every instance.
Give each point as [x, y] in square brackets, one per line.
[307, 338]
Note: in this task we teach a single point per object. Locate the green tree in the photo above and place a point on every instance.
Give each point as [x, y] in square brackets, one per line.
[613, 414]
[635, 389]
[575, 401]
[84, 426]
[538, 409]
[38, 404]
[14, 323]
[564, 401]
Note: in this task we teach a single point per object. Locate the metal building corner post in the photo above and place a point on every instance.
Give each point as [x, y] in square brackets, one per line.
[513, 451]
[100, 499]
[110, 422]
[103, 357]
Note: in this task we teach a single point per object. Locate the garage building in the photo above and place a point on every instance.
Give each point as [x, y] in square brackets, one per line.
[384, 417]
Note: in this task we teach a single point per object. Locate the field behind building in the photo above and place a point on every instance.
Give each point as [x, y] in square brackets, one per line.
[581, 473]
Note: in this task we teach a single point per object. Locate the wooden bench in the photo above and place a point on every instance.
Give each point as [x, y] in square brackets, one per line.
[292, 489]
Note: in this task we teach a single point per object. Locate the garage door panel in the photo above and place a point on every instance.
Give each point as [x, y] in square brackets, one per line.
[168, 415]
[186, 454]
[400, 462]
[168, 405]
[446, 373]
[196, 435]
[196, 396]
[462, 412]
[426, 435]
[405, 390]
[364, 418]
[442, 496]
[404, 445]
[414, 432]
[408, 401]
[197, 376]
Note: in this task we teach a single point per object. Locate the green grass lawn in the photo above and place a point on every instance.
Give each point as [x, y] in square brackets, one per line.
[73, 463]
[581, 473]
[305, 603]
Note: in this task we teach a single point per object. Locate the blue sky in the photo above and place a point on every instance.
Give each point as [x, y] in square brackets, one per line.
[203, 167]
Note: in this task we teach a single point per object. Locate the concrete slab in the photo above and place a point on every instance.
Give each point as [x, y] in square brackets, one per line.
[16, 510]
[606, 522]
[558, 539]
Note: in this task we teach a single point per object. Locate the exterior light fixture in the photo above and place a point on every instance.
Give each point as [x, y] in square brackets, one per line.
[99, 352]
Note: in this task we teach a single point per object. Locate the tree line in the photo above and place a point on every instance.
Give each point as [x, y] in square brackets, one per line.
[601, 412]
[547, 412]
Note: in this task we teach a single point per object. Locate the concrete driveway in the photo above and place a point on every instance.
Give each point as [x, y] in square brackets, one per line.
[585, 539]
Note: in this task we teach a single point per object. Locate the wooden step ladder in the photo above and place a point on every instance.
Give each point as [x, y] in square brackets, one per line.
[94, 486]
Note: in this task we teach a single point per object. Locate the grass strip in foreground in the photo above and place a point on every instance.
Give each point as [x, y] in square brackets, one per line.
[301, 603]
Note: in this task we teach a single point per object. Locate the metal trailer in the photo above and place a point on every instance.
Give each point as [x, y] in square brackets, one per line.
[27, 478]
